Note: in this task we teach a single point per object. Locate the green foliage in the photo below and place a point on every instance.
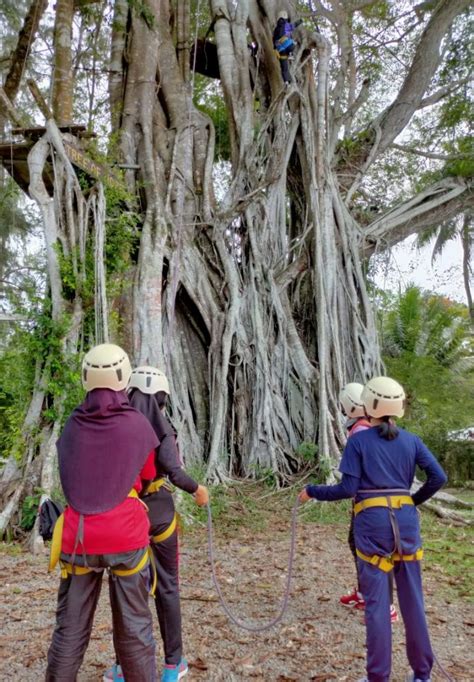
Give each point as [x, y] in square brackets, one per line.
[464, 166]
[439, 399]
[327, 513]
[425, 325]
[307, 451]
[427, 348]
[379, 9]
[29, 510]
[457, 459]
[448, 555]
[143, 11]
[214, 106]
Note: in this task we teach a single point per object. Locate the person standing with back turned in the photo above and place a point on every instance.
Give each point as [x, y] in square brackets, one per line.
[378, 468]
[105, 451]
[148, 391]
[356, 421]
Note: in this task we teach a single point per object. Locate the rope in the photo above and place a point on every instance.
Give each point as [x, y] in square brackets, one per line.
[286, 596]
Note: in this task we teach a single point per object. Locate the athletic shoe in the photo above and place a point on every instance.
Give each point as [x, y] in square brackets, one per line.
[353, 600]
[114, 674]
[393, 614]
[411, 678]
[173, 673]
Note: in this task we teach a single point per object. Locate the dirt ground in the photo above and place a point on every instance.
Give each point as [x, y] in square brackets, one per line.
[318, 639]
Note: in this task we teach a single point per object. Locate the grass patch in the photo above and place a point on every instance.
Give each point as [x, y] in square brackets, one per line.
[449, 553]
[327, 513]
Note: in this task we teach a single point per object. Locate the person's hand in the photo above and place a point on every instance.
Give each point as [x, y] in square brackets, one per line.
[303, 496]
[201, 496]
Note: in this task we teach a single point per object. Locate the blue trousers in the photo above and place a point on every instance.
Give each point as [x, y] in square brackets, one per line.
[376, 591]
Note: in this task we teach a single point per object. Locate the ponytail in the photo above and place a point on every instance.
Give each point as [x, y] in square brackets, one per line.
[388, 429]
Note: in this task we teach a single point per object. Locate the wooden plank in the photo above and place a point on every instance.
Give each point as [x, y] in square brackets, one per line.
[96, 170]
[38, 131]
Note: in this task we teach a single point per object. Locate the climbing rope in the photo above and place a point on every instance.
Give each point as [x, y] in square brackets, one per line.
[286, 596]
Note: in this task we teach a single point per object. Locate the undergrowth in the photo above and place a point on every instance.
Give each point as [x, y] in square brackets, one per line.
[254, 507]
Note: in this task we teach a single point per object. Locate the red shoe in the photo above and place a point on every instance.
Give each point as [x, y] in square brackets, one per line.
[393, 614]
[354, 600]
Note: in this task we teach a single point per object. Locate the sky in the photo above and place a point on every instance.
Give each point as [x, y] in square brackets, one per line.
[406, 264]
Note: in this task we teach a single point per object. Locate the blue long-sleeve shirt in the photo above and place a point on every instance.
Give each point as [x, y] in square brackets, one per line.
[372, 462]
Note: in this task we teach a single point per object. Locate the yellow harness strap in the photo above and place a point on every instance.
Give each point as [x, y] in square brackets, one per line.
[57, 540]
[136, 569]
[392, 501]
[386, 564]
[157, 485]
[166, 533]
[69, 569]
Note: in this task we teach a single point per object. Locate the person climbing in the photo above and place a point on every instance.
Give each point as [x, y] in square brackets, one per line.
[284, 44]
[356, 421]
[378, 468]
[105, 451]
[148, 392]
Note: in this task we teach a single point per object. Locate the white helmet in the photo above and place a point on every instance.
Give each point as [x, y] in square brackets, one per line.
[351, 400]
[283, 15]
[149, 380]
[383, 397]
[106, 366]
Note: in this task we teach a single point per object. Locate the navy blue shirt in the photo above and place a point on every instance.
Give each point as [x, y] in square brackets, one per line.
[372, 462]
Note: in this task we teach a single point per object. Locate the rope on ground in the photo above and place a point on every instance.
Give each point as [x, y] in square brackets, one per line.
[286, 596]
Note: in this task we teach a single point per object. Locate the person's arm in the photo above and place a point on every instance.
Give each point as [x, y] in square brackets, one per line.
[168, 461]
[435, 475]
[347, 487]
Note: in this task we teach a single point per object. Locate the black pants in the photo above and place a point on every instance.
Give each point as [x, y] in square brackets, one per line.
[132, 621]
[284, 65]
[351, 542]
[168, 608]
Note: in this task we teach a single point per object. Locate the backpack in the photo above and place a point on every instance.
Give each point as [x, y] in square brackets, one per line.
[48, 512]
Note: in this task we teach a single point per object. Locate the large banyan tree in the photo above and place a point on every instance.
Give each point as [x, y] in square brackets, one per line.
[245, 277]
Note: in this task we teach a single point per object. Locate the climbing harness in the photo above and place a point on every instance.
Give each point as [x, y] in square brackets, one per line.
[386, 563]
[161, 537]
[392, 501]
[70, 568]
[286, 596]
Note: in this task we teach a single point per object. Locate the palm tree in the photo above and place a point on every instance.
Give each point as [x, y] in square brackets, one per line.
[458, 228]
[424, 325]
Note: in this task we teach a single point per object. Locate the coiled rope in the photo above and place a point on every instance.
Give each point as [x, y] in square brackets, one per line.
[286, 596]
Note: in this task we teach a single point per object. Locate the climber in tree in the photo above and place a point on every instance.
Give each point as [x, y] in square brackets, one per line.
[283, 42]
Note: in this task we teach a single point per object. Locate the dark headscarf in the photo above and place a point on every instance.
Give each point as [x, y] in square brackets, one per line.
[150, 406]
[102, 449]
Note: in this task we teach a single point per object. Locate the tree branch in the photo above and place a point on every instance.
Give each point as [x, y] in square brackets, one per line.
[436, 204]
[429, 155]
[425, 62]
[442, 92]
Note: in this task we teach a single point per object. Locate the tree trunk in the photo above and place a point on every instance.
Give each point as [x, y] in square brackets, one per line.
[63, 81]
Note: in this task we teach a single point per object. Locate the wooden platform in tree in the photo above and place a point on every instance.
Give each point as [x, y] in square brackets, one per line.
[78, 130]
[14, 157]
